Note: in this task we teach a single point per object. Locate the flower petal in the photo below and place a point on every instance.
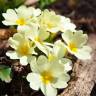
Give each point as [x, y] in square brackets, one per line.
[54, 30]
[6, 22]
[24, 12]
[43, 34]
[33, 64]
[66, 24]
[23, 60]
[83, 53]
[36, 12]
[60, 84]
[48, 90]
[58, 70]
[67, 36]
[34, 80]
[13, 43]
[42, 47]
[12, 54]
[59, 49]
[10, 13]
[62, 81]
[18, 37]
[67, 64]
[42, 63]
[77, 38]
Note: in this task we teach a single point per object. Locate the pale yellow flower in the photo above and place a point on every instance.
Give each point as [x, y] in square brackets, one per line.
[23, 48]
[47, 76]
[38, 36]
[50, 21]
[22, 16]
[76, 44]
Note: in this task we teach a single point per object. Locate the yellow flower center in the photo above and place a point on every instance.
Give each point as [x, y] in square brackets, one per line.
[46, 77]
[21, 21]
[38, 39]
[73, 47]
[51, 57]
[50, 25]
[23, 49]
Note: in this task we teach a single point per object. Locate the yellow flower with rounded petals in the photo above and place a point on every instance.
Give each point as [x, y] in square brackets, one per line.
[76, 44]
[22, 16]
[48, 76]
[23, 48]
[50, 21]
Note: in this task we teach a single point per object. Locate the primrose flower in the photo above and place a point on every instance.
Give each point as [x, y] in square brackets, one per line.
[76, 44]
[38, 36]
[66, 25]
[47, 76]
[50, 21]
[21, 16]
[58, 51]
[23, 48]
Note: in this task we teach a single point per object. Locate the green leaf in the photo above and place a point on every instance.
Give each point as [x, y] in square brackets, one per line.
[44, 3]
[18, 2]
[5, 73]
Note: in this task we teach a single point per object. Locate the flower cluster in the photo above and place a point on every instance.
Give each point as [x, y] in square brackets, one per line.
[34, 44]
